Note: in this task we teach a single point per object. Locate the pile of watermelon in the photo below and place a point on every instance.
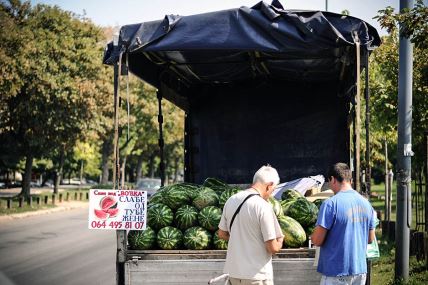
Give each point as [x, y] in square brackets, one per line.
[186, 216]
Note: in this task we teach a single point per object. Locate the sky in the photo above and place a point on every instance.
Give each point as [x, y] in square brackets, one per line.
[123, 12]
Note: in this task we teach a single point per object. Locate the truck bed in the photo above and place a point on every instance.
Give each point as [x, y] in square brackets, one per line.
[174, 267]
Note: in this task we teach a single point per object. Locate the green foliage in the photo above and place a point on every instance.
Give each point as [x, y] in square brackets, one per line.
[383, 83]
[52, 81]
[413, 22]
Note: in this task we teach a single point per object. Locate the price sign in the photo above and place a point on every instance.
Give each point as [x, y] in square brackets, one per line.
[117, 209]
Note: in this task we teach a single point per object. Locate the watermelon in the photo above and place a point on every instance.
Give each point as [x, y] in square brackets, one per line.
[309, 230]
[142, 239]
[159, 216]
[303, 211]
[290, 194]
[209, 217]
[216, 185]
[285, 204]
[226, 195]
[175, 196]
[191, 189]
[276, 206]
[197, 238]
[294, 234]
[206, 197]
[156, 198]
[318, 202]
[218, 242]
[186, 217]
[169, 238]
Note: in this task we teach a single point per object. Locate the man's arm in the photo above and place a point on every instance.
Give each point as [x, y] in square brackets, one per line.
[223, 234]
[274, 245]
[319, 235]
[372, 235]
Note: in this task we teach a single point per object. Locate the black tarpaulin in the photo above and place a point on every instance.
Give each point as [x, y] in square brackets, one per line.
[259, 85]
[241, 44]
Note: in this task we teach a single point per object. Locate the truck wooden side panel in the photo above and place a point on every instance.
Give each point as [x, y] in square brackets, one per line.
[176, 272]
[176, 267]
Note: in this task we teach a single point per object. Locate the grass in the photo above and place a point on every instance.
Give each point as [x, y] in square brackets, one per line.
[383, 268]
[379, 204]
[15, 209]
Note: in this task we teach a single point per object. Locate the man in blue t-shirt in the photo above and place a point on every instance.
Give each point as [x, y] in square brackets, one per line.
[345, 225]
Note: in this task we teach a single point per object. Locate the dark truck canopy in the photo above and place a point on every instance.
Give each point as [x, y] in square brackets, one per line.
[259, 85]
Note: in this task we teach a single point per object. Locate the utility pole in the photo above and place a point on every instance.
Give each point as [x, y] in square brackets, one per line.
[404, 152]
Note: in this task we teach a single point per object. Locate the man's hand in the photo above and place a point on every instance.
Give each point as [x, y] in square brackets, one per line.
[318, 236]
[274, 245]
[223, 234]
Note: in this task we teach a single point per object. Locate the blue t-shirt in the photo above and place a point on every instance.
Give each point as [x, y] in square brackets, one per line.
[348, 217]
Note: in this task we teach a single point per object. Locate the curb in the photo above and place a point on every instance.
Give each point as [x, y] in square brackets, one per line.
[59, 208]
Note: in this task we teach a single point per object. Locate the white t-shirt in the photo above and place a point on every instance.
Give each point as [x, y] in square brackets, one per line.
[247, 256]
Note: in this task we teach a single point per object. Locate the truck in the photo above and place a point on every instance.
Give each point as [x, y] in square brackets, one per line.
[258, 85]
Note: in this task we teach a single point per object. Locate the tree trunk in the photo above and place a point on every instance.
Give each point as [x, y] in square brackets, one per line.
[176, 169]
[59, 172]
[106, 151]
[140, 166]
[152, 166]
[81, 171]
[25, 191]
[131, 173]
[122, 183]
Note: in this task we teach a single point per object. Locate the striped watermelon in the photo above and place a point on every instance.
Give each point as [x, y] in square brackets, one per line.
[226, 195]
[276, 206]
[206, 197]
[156, 198]
[142, 239]
[216, 185]
[197, 238]
[175, 196]
[290, 194]
[318, 202]
[285, 204]
[309, 230]
[159, 216]
[186, 217]
[303, 211]
[218, 242]
[209, 217]
[294, 234]
[169, 238]
[191, 189]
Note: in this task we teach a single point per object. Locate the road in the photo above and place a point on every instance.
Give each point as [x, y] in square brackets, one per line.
[56, 248]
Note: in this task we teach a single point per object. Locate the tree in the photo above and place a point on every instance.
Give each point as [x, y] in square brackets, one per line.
[384, 79]
[51, 60]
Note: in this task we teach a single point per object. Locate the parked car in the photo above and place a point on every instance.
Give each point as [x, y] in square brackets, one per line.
[151, 185]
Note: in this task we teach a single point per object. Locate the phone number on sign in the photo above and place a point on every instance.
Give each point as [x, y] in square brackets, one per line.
[116, 225]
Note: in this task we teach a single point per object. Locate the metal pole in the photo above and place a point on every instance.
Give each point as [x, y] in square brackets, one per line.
[367, 97]
[326, 5]
[357, 119]
[386, 183]
[404, 153]
[426, 184]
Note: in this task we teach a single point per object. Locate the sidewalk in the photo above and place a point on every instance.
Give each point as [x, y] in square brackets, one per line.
[64, 206]
[10, 192]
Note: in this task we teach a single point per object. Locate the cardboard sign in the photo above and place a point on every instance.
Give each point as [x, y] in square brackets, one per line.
[117, 209]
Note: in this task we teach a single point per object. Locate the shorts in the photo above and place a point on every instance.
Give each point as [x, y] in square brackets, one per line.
[237, 281]
[358, 279]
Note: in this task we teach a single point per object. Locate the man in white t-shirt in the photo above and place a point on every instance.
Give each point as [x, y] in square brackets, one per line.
[255, 233]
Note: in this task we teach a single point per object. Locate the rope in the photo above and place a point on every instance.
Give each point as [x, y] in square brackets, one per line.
[161, 141]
